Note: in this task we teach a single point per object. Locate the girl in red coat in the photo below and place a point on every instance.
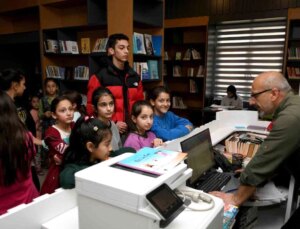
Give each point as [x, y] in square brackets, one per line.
[57, 140]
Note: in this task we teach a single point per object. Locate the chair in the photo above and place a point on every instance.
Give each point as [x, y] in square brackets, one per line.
[293, 199]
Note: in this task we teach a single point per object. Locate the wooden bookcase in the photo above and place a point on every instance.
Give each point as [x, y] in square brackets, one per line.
[71, 21]
[19, 39]
[181, 71]
[75, 19]
[19, 20]
[291, 66]
[144, 17]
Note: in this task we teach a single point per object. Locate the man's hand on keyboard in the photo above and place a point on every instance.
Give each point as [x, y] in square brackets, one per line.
[228, 198]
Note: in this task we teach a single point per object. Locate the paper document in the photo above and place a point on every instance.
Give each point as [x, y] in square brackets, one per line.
[221, 107]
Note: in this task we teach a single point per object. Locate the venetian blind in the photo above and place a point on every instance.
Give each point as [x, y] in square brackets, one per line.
[244, 49]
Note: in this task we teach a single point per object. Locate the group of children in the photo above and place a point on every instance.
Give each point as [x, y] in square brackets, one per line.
[92, 139]
[72, 146]
[65, 138]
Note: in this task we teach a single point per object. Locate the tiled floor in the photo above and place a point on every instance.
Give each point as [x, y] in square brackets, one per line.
[271, 217]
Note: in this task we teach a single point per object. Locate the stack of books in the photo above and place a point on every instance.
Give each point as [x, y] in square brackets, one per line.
[56, 72]
[230, 212]
[245, 144]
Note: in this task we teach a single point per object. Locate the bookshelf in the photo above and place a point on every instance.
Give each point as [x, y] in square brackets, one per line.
[64, 25]
[65, 20]
[144, 17]
[292, 49]
[185, 64]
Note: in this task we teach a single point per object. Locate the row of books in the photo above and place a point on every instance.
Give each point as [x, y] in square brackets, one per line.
[71, 47]
[147, 44]
[191, 72]
[177, 103]
[189, 54]
[61, 46]
[69, 73]
[293, 53]
[99, 45]
[293, 72]
[55, 72]
[81, 73]
[245, 144]
[147, 70]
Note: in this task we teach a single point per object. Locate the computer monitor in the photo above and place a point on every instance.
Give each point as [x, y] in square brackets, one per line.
[200, 154]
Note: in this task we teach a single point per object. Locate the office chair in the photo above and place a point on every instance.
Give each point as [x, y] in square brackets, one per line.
[293, 198]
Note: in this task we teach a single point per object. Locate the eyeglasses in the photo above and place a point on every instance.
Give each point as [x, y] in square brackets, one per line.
[254, 95]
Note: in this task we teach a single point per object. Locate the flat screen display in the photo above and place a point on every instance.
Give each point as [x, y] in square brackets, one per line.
[164, 201]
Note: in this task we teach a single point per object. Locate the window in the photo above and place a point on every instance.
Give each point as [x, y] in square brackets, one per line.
[239, 50]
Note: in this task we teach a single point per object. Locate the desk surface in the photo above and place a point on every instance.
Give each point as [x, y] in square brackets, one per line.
[62, 203]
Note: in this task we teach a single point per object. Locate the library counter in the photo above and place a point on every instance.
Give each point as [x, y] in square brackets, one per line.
[99, 196]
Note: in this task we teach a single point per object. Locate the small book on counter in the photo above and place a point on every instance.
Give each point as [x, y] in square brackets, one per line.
[230, 212]
[154, 161]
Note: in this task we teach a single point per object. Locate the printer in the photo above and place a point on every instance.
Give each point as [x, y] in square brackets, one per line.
[111, 197]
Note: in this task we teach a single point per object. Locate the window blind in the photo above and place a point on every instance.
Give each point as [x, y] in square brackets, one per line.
[240, 50]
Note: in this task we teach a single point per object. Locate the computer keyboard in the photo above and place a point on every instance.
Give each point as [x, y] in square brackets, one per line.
[213, 181]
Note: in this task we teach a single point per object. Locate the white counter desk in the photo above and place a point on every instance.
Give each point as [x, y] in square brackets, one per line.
[49, 211]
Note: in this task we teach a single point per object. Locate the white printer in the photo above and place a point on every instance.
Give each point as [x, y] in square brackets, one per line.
[110, 197]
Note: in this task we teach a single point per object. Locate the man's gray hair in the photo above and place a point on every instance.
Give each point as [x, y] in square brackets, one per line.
[277, 80]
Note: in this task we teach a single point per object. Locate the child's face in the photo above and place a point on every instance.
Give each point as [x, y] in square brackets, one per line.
[19, 87]
[102, 151]
[105, 107]
[161, 104]
[144, 120]
[35, 101]
[64, 112]
[51, 88]
[229, 94]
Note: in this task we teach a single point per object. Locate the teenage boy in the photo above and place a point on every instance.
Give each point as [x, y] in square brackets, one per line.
[116, 74]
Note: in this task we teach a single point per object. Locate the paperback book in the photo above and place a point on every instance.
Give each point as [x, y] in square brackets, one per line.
[152, 160]
[230, 212]
[153, 69]
[138, 43]
[148, 44]
[157, 43]
[85, 45]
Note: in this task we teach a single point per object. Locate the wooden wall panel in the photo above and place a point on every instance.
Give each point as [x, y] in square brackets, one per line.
[229, 9]
[7, 5]
[284, 4]
[292, 3]
[226, 6]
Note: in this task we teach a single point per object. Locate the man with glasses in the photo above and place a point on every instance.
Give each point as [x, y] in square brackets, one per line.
[271, 94]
